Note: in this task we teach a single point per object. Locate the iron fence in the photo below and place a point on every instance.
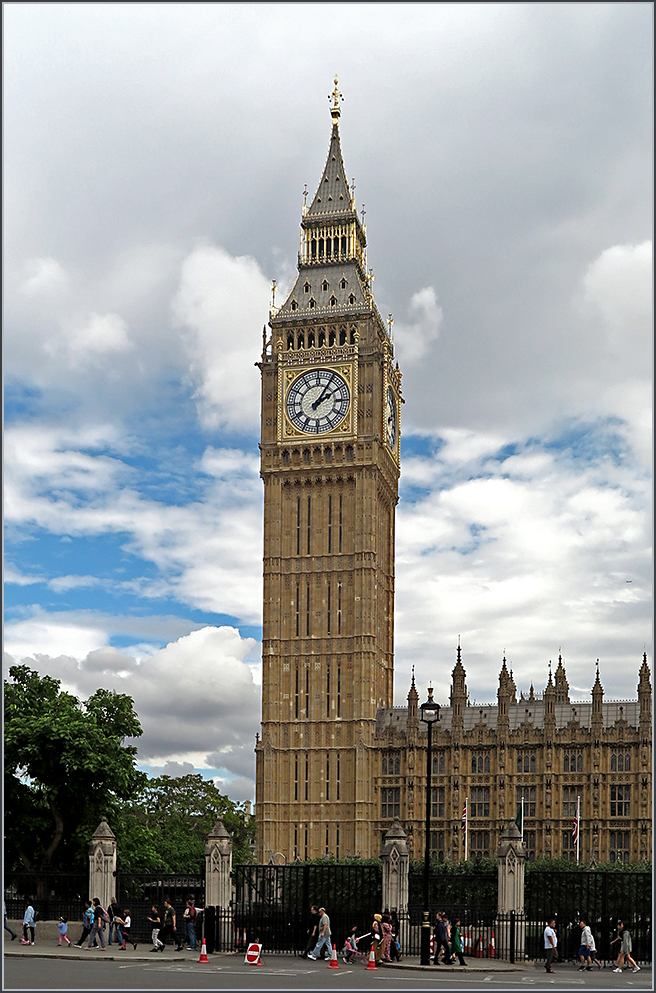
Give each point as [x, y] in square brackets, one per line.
[599, 897]
[140, 891]
[53, 895]
[272, 903]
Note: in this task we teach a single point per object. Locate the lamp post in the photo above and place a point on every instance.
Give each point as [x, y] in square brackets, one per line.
[430, 714]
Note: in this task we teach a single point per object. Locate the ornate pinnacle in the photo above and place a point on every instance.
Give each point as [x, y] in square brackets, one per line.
[335, 96]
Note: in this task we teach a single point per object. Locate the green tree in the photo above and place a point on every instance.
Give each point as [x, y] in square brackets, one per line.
[66, 766]
[165, 825]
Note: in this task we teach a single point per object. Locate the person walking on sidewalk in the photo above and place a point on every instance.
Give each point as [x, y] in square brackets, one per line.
[156, 921]
[588, 950]
[441, 940]
[126, 923]
[550, 943]
[7, 928]
[97, 931]
[626, 948]
[29, 924]
[312, 930]
[63, 931]
[324, 934]
[169, 928]
[456, 942]
[114, 926]
[87, 923]
[189, 921]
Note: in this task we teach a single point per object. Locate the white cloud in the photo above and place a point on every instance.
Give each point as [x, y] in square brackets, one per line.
[195, 698]
[618, 285]
[222, 302]
[207, 552]
[100, 335]
[415, 339]
[525, 553]
[43, 277]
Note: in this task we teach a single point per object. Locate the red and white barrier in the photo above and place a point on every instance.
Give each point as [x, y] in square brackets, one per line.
[253, 954]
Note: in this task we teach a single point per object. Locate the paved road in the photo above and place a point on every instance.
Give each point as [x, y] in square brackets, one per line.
[289, 974]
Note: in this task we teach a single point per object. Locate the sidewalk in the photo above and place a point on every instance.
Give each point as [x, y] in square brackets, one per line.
[143, 953]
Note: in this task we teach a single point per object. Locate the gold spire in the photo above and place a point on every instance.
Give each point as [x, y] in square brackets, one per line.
[335, 96]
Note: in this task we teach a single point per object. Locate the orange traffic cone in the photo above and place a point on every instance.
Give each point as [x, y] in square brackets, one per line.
[334, 964]
[490, 949]
[479, 947]
[371, 964]
[203, 953]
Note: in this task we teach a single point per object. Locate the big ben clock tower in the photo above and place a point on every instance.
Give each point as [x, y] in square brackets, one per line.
[330, 462]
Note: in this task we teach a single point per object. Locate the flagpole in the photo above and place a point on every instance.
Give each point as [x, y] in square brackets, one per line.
[522, 818]
[466, 824]
[578, 829]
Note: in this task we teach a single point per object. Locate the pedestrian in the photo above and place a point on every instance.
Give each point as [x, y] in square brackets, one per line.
[312, 928]
[588, 949]
[169, 929]
[387, 937]
[126, 922]
[456, 942]
[87, 923]
[323, 940]
[114, 926]
[626, 947]
[377, 935]
[7, 928]
[63, 931]
[29, 924]
[189, 921]
[441, 940]
[156, 922]
[97, 931]
[550, 943]
[395, 949]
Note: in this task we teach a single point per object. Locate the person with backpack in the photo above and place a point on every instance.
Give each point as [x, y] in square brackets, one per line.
[189, 921]
[100, 916]
[63, 931]
[169, 926]
[87, 923]
[29, 921]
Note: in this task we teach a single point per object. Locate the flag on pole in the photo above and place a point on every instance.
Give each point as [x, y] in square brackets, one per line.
[464, 819]
[576, 828]
[519, 820]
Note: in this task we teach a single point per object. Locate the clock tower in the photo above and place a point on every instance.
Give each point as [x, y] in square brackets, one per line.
[330, 462]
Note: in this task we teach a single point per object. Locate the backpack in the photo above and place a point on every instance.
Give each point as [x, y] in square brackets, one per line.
[105, 915]
[36, 916]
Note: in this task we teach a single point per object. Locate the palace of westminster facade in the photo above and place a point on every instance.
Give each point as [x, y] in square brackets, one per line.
[337, 762]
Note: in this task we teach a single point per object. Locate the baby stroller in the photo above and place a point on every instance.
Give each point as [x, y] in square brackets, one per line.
[350, 951]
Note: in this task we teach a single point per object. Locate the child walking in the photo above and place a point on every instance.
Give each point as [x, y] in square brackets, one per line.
[126, 924]
[63, 931]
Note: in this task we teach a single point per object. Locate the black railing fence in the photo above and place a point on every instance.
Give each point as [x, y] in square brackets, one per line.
[53, 895]
[139, 891]
[272, 903]
[598, 897]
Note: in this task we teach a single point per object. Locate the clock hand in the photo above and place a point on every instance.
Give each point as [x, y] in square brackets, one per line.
[323, 396]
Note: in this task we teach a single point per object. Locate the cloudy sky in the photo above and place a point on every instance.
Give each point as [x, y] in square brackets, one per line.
[154, 163]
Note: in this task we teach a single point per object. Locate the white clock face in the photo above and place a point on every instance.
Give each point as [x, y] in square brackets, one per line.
[390, 418]
[317, 401]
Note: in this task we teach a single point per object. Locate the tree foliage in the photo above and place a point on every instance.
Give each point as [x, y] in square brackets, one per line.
[166, 823]
[66, 766]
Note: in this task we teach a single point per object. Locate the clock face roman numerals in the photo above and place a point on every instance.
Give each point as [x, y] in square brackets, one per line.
[390, 418]
[317, 401]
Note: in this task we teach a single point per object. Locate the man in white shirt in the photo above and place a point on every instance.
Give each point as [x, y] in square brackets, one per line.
[550, 943]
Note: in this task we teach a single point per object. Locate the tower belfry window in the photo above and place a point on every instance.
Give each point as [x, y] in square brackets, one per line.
[333, 301]
[343, 284]
[324, 285]
[312, 304]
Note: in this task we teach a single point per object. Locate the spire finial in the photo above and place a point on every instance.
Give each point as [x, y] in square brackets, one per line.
[335, 96]
[458, 656]
[413, 676]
